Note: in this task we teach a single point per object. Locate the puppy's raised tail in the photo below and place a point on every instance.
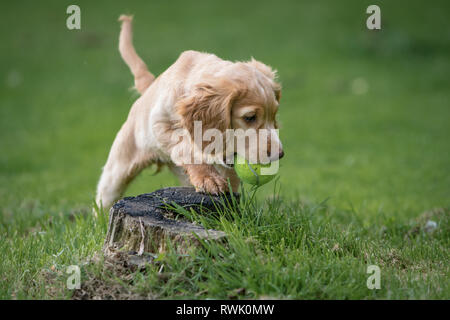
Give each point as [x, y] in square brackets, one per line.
[142, 77]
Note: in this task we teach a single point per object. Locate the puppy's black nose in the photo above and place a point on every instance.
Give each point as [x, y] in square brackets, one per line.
[281, 154]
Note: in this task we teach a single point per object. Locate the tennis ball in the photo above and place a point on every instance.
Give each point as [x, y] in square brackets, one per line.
[251, 173]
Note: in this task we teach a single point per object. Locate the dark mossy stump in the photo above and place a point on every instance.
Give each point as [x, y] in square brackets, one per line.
[142, 226]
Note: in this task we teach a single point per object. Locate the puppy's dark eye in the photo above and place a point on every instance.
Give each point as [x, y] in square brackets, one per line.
[250, 118]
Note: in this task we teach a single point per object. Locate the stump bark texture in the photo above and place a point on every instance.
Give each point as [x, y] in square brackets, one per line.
[144, 224]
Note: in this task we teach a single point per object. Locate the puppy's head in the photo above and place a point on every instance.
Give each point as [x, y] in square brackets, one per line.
[237, 111]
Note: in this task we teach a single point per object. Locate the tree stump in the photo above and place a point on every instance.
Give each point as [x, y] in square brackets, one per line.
[142, 226]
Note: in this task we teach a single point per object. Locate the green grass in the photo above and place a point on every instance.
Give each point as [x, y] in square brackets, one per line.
[359, 171]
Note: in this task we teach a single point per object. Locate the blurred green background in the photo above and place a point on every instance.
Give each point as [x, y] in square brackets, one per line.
[364, 114]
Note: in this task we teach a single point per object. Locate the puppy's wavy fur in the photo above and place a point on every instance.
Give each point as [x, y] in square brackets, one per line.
[197, 87]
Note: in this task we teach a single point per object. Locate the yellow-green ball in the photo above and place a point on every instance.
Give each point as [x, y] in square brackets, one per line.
[251, 173]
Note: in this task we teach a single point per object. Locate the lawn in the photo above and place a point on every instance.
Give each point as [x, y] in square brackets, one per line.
[365, 123]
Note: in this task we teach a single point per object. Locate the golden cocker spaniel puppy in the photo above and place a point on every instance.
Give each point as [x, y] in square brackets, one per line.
[202, 91]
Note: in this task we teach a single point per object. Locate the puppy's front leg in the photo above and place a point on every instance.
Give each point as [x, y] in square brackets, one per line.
[205, 178]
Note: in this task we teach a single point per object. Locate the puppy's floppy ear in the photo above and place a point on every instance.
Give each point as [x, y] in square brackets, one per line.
[277, 91]
[270, 73]
[210, 102]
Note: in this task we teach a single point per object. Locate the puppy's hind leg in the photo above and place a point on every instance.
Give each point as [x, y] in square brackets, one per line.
[124, 163]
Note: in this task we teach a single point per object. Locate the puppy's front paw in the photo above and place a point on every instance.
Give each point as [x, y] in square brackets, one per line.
[213, 184]
[205, 178]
